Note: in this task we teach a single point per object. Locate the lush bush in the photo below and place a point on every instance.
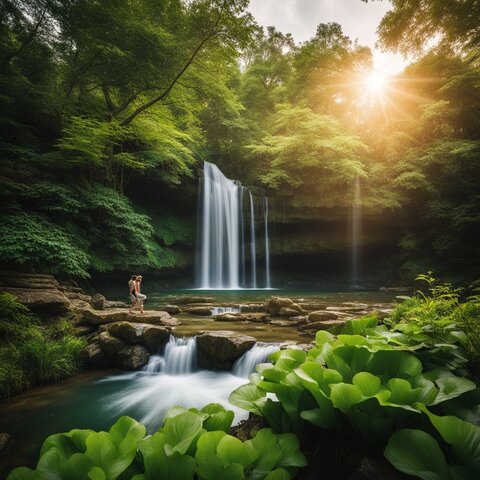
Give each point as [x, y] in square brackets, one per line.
[32, 354]
[190, 444]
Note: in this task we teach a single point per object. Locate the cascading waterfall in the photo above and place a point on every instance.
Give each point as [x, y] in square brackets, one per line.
[356, 232]
[245, 365]
[267, 245]
[253, 253]
[222, 258]
[173, 379]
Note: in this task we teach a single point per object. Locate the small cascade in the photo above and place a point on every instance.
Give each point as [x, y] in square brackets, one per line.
[267, 245]
[245, 365]
[220, 310]
[223, 227]
[356, 232]
[179, 358]
[253, 253]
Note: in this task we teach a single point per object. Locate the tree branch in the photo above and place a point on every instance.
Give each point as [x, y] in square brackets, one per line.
[160, 97]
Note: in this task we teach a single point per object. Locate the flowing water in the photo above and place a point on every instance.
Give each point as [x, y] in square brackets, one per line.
[95, 399]
[222, 252]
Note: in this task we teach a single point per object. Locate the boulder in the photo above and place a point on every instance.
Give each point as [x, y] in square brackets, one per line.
[110, 344]
[131, 357]
[252, 308]
[172, 309]
[201, 311]
[98, 302]
[155, 317]
[288, 312]
[4, 440]
[94, 356]
[228, 317]
[324, 324]
[151, 335]
[82, 330]
[257, 317]
[322, 315]
[220, 349]
[40, 293]
[274, 305]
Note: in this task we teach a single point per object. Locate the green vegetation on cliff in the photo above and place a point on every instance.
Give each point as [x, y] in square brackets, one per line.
[32, 353]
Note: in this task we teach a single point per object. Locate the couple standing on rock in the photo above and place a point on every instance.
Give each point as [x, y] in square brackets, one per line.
[135, 295]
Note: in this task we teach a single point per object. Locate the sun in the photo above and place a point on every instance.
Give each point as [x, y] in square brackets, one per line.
[375, 81]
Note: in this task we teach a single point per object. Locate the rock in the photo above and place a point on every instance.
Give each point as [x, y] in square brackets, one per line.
[252, 308]
[283, 323]
[220, 349]
[132, 357]
[172, 309]
[82, 330]
[110, 344]
[346, 309]
[94, 356]
[4, 439]
[257, 317]
[115, 304]
[151, 335]
[274, 305]
[228, 317]
[363, 306]
[322, 315]
[98, 302]
[312, 306]
[288, 312]
[155, 317]
[202, 311]
[324, 324]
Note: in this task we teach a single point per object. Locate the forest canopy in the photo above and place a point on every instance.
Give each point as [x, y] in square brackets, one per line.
[108, 110]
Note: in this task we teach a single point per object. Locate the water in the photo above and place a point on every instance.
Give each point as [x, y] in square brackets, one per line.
[221, 257]
[267, 246]
[90, 401]
[245, 365]
[356, 232]
[220, 310]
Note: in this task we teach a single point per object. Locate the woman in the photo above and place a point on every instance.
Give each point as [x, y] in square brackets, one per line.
[132, 293]
[141, 298]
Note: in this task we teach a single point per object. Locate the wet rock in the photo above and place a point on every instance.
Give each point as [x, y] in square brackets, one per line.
[110, 344]
[252, 308]
[115, 304]
[322, 315]
[346, 309]
[131, 357]
[155, 317]
[172, 309]
[94, 356]
[201, 311]
[312, 306]
[4, 440]
[220, 349]
[275, 304]
[138, 333]
[324, 324]
[257, 317]
[228, 317]
[287, 312]
[98, 302]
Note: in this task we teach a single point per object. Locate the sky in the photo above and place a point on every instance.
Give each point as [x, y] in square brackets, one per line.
[359, 20]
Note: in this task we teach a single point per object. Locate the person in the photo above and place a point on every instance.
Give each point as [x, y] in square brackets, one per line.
[141, 297]
[132, 293]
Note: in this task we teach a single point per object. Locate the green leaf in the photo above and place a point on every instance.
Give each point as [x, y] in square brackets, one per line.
[246, 397]
[180, 431]
[231, 450]
[367, 383]
[278, 474]
[417, 453]
[344, 395]
[24, 473]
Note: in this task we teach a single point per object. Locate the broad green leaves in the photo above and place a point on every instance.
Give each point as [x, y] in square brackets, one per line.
[187, 446]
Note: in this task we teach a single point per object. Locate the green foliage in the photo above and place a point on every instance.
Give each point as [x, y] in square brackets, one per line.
[31, 354]
[187, 446]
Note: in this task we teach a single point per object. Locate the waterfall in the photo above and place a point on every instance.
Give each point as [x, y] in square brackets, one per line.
[221, 262]
[356, 232]
[245, 365]
[180, 357]
[253, 253]
[267, 246]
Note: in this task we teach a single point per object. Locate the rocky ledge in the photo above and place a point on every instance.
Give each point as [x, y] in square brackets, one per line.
[111, 315]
